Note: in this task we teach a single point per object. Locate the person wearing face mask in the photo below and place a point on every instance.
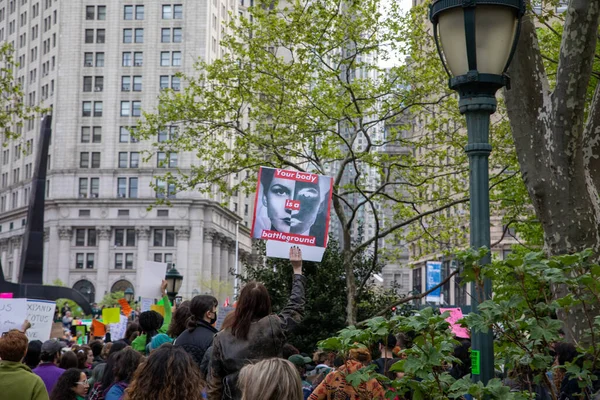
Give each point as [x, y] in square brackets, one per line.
[198, 336]
[293, 206]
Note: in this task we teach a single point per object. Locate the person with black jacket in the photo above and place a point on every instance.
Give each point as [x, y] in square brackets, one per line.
[253, 333]
[198, 336]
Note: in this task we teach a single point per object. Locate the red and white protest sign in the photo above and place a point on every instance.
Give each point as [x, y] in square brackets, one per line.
[292, 208]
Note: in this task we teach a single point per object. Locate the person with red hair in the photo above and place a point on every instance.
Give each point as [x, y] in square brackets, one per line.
[17, 382]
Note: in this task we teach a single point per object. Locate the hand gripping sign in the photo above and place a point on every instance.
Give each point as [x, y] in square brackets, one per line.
[292, 208]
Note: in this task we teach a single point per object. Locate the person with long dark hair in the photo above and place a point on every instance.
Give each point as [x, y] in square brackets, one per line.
[169, 373]
[72, 385]
[126, 362]
[180, 319]
[198, 336]
[152, 323]
[68, 360]
[34, 352]
[100, 388]
[253, 333]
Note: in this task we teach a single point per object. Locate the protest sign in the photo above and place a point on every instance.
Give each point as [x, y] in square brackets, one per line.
[98, 328]
[158, 309]
[117, 331]
[125, 307]
[146, 304]
[434, 278]
[41, 315]
[153, 274]
[6, 295]
[111, 315]
[292, 208]
[455, 315]
[222, 312]
[13, 312]
[57, 330]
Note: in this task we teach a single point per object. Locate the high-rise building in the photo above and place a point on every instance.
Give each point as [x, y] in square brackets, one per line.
[97, 65]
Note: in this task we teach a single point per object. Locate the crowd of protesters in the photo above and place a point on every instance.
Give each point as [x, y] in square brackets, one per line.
[183, 356]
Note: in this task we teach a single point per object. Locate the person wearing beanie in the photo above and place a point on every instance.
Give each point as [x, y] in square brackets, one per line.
[152, 323]
[158, 341]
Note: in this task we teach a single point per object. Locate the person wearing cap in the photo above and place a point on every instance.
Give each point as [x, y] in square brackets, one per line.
[301, 362]
[48, 369]
[17, 382]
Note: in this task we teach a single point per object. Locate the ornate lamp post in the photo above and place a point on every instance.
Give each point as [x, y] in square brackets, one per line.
[129, 294]
[476, 40]
[174, 280]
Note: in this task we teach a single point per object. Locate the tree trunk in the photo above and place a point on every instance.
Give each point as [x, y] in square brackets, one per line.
[558, 150]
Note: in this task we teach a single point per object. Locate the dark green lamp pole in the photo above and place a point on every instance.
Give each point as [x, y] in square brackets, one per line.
[174, 280]
[476, 40]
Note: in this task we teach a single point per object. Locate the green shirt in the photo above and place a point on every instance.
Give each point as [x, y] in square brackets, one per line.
[139, 343]
[17, 382]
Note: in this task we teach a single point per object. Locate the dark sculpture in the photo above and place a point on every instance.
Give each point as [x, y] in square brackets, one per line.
[32, 253]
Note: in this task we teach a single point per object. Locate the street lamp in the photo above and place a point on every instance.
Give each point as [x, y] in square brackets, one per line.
[476, 40]
[195, 292]
[129, 294]
[174, 280]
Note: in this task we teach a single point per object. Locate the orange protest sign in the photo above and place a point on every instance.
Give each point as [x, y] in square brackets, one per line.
[125, 307]
[99, 328]
[158, 309]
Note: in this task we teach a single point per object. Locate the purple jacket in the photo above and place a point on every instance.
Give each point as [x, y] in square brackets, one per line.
[49, 373]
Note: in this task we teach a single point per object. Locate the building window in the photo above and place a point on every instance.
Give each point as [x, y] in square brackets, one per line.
[134, 159]
[164, 257]
[97, 134]
[164, 82]
[79, 260]
[167, 12]
[164, 237]
[124, 135]
[88, 59]
[125, 109]
[164, 190]
[139, 12]
[175, 83]
[97, 109]
[125, 237]
[100, 35]
[165, 36]
[136, 107]
[139, 35]
[176, 59]
[87, 83]
[85, 134]
[177, 11]
[169, 133]
[84, 160]
[95, 160]
[101, 13]
[85, 237]
[87, 109]
[166, 159]
[127, 35]
[89, 36]
[99, 59]
[89, 261]
[127, 187]
[83, 187]
[137, 83]
[98, 83]
[127, 61]
[138, 59]
[90, 12]
[177, 35]
[119, 261]
[125, 83]
[165, 58]
[127, 12]
[123, 157]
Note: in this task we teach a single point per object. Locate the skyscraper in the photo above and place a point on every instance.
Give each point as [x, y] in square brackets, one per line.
[97, 65]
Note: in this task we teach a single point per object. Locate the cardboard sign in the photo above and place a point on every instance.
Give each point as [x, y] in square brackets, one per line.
[98, 328]
[111, 315]
[125, 307]
[146, 304]
[153, 274]
[158, 309]
[41, 315]
[117, 331]
[455, 315]
[13, 312]
[292, 208]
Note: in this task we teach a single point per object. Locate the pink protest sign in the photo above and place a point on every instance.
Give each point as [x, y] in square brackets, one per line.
[6, 295]
[455, 315]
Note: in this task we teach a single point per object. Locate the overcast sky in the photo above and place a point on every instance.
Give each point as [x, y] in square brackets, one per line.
[406, 5]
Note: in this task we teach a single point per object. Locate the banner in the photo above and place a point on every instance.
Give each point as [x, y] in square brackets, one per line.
[434, 278]
[222, 312]
[152, 275]
[41, 315]
[13, 312]
[292, 208]
[455, 315]
[146, 304]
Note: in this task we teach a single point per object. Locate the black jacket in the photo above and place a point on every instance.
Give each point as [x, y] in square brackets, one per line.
[265, 340]
[196, 342]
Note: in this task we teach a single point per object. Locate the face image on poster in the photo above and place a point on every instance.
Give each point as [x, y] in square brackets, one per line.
[292, 208]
